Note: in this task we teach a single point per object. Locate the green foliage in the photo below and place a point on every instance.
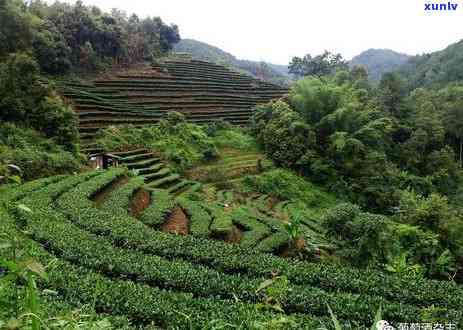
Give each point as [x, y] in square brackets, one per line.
[160, 208]
[282, 132]
[63, 37]
[17, 272]
[430, 235]
[90, 264]
[430, 212]
[119, 200]
[293, 229]
[9, 173]
[314, 99]
[25, 304]
[286, 185]
[276, 289]
[200, 219]
[372, 146]
[178, 141]
[319, 65]
[368, 145]
[131, 264]
[221, 225]
[337, 219]
[435, 69]
[35, 155]
[401, 265]
[50, 49]
[15, 27]
[365, 238]
[392, 93]
[25, 100]
[234, 137]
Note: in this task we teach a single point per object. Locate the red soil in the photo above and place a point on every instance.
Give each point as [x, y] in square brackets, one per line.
[177, 223]
[235, 235]
[103, 194]
[140, 201]
[290, 251]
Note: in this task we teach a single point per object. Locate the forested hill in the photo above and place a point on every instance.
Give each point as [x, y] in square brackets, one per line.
[200, 50]
[435, 69]
[379, 61]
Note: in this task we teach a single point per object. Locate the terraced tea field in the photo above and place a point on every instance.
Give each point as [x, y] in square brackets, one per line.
[231, 166]
[155, 172]
[130, 264]
[202, 91]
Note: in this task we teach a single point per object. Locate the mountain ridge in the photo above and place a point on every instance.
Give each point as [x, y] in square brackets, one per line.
[274, 73]
[378, 61]
[435, 69]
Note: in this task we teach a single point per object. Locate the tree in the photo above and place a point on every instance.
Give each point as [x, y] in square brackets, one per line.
[319, 65]
[454, 126]
[50, 49]
[392, 91]
[314, 99]
[25, 100]
[84, 37]
[285, 136]
[15, 27]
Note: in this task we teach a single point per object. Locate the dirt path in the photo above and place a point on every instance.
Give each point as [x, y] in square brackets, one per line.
[140, 201]
[177, 223]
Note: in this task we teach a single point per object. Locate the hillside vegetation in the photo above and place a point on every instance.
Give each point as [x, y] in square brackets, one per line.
[435, 69]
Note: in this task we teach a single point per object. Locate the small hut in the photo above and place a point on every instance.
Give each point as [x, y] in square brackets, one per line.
[104, 160]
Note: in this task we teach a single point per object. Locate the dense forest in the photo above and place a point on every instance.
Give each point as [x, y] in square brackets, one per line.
[62, 37]
[144, 188]
[435, 69]
[390, 152]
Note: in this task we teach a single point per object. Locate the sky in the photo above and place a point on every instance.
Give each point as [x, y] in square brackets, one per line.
[277, 30]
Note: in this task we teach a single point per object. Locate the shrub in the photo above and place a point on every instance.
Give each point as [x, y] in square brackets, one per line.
[26, 100]
[337, 218]
[235, 138]
[365, 238]
[35, 155]
[179, 142]
[232, 259]
[200, 219]
[285, 184]
[429, 212]
[282, 133]
[432, 231]
[120, 274]
[213, 128]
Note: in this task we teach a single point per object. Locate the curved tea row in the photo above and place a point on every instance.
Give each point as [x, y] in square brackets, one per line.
[126, 266]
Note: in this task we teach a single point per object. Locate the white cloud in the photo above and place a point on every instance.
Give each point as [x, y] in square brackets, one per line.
[276, 31]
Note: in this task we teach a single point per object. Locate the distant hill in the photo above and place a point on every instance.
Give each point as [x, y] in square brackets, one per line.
[379, 61]
[200, 50]
[435, 69]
